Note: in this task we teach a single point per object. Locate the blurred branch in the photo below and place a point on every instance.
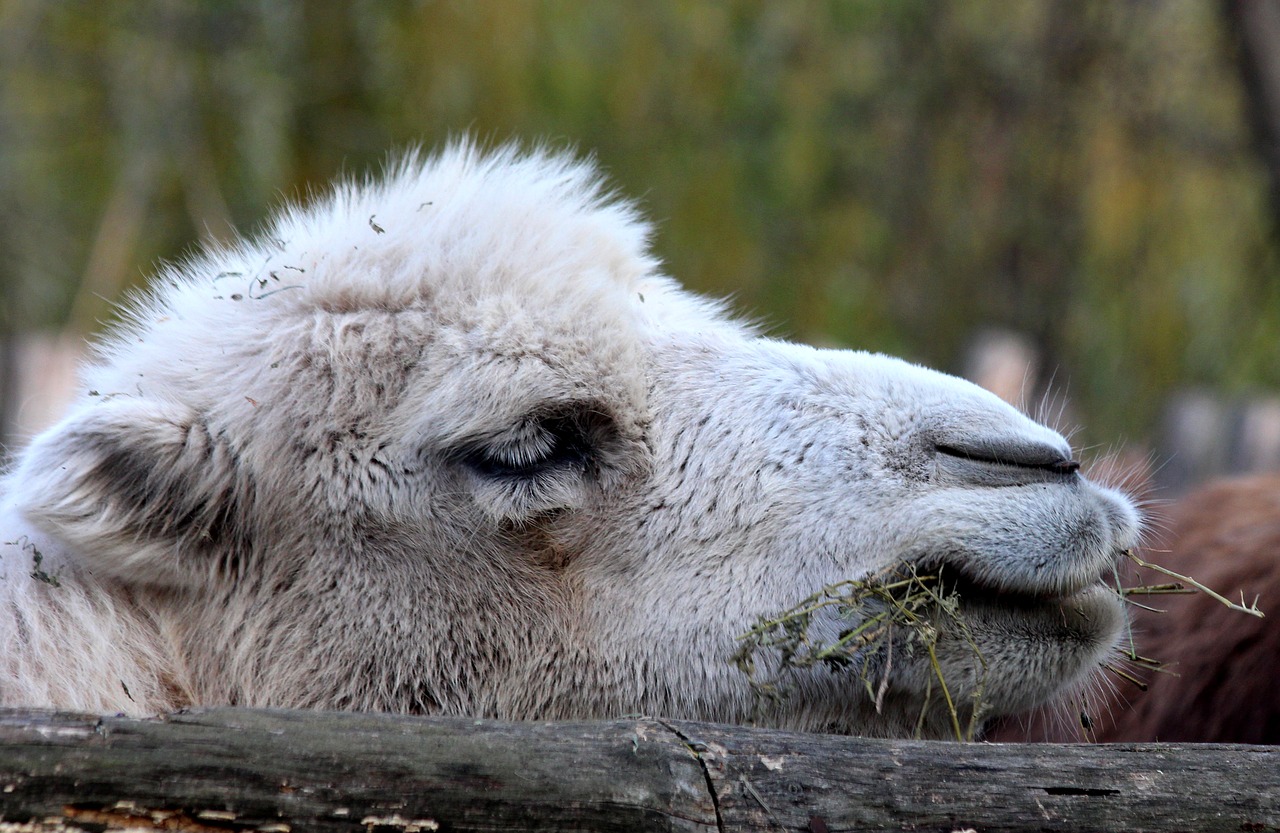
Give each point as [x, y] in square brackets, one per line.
[8, 378]
[114, 244]
[1256, 28]
[206, 204]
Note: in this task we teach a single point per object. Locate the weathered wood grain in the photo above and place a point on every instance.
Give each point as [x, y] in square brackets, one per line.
[283, 771]
[792, 781]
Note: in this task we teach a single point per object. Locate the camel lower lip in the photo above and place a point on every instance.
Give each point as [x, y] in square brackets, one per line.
[1036, 645]
[1090, 612]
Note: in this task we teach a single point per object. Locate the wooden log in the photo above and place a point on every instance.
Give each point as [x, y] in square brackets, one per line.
[283, 771]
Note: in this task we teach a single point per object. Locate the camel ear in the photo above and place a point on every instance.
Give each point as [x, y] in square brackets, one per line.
[137, 490]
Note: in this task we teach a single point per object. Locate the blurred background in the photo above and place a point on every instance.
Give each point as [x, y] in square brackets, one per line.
[1073, 202]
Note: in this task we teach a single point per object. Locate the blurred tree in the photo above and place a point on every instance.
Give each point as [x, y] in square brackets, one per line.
[1256, 31]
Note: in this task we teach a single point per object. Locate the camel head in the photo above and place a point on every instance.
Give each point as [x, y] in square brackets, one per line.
[451, 442]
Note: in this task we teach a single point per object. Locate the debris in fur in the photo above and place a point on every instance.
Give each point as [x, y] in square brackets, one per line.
[37, 559]
[895, 613]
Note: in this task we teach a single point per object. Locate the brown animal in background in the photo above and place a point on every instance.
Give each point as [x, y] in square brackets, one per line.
[1223, 684]
[1227, 665]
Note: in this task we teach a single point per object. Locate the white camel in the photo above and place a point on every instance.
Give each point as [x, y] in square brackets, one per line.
[451, 443]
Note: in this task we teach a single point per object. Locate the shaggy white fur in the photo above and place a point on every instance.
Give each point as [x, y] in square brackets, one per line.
[450, 442]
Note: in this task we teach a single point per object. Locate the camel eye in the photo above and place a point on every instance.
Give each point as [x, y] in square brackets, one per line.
[555, 458]
[540, 444]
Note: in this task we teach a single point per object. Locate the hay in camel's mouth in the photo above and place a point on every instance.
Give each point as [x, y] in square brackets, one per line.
[898, 610]
[906, 609]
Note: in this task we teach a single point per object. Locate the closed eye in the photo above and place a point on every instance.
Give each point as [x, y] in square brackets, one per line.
[539, 445]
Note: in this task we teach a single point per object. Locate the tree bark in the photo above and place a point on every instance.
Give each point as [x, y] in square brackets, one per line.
[281, 771]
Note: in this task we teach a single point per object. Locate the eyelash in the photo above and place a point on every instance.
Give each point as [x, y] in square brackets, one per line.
[542, 445]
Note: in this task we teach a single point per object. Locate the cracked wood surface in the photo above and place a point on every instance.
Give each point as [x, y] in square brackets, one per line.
[284, 771]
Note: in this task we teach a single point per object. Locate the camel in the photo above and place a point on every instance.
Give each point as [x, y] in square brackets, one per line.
[448, 441]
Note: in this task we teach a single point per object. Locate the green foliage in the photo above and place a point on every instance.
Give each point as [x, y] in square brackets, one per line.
[887, 175]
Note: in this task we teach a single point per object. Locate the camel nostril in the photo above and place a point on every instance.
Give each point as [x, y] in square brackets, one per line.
[1013, 457]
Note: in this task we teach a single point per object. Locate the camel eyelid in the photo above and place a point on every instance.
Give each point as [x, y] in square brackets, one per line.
[551, 443]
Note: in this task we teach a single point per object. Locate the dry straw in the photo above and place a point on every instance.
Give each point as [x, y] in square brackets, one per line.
[897, 611]
[901, 611]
